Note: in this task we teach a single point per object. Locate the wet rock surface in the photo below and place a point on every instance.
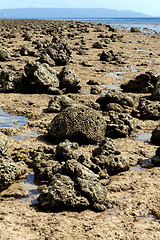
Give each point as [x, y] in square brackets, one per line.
[120, 125]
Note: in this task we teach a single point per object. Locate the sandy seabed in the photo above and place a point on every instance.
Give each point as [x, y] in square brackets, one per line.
[135, 194]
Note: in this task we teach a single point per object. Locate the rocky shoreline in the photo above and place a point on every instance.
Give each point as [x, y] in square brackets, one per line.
[87, 90]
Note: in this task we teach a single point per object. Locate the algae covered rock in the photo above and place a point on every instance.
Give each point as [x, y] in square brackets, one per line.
[80, 123]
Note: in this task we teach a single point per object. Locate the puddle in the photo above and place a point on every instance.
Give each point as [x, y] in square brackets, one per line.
[31, 188]
[140, 50]
[111, 75]
[133, 67]
[104, 92]
[149, 217]
[138, 169]
[24, 136]
[144, 137]
[8, 120]
[113, 212]
[114, 86]
[86, 93]
[116, 74]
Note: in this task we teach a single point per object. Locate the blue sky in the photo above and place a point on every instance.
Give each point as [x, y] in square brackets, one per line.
[151, 7]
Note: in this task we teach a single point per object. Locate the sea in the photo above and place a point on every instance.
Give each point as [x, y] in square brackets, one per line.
[151, 25]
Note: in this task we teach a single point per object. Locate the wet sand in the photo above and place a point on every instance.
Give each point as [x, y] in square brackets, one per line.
[133, 195]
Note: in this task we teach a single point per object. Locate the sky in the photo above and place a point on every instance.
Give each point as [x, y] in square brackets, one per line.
[150, 7]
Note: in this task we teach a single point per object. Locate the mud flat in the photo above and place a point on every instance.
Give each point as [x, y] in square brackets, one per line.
[93, 167]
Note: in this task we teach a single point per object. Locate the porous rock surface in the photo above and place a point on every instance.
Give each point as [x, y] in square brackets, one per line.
[109, 158]
[114, 96]
[41, 77]
[155, 138]
[110, 56]
[59, 51]
[120, 125]
[58, 103]
[80, 123]
[9, 170]
[69, 80]
[156, 92]
[143, 83]
[75, 184]
[149, 109]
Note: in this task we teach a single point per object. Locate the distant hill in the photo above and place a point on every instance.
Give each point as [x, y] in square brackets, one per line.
[68, 13]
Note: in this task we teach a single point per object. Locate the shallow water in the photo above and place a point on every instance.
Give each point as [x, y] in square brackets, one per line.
[144, 137]
[32, 189]
[138, 169]
[9, 120]
[114, 86]
[116, 74]
[111, 75]
[133, 67]
[140, 50]
[104, 92]
[24, 136]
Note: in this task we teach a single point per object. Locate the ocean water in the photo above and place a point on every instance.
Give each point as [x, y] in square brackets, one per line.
[145, 24]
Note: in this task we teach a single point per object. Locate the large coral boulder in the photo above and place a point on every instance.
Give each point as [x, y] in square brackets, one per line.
[80, 123]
